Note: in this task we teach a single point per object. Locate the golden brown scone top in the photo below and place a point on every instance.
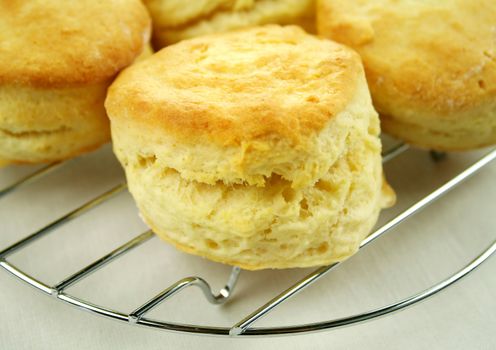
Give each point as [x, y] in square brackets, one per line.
[232, 87]
[435, 55]
[58, 42]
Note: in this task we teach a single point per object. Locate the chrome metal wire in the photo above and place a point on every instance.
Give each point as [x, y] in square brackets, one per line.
[245, 326]
[220, 298]
[62, 220]
[29, 178]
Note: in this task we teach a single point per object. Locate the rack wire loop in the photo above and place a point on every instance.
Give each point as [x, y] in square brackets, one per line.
[220, 298]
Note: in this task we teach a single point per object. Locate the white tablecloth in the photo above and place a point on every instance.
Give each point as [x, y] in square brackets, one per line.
[426, 248]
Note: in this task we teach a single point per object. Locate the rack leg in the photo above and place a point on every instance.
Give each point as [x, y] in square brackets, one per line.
[438, 156]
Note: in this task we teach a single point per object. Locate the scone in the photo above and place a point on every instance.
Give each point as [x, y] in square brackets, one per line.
[176, 20]
[57, 59]
[256, 148]
[430, 65]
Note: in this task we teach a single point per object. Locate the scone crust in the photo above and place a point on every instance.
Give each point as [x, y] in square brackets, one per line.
[55, 43]
[211, 88]
[429, 64]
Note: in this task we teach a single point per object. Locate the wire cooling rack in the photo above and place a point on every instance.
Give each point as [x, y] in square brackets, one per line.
[245, 326]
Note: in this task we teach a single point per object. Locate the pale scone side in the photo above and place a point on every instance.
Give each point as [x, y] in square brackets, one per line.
[430, 65]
